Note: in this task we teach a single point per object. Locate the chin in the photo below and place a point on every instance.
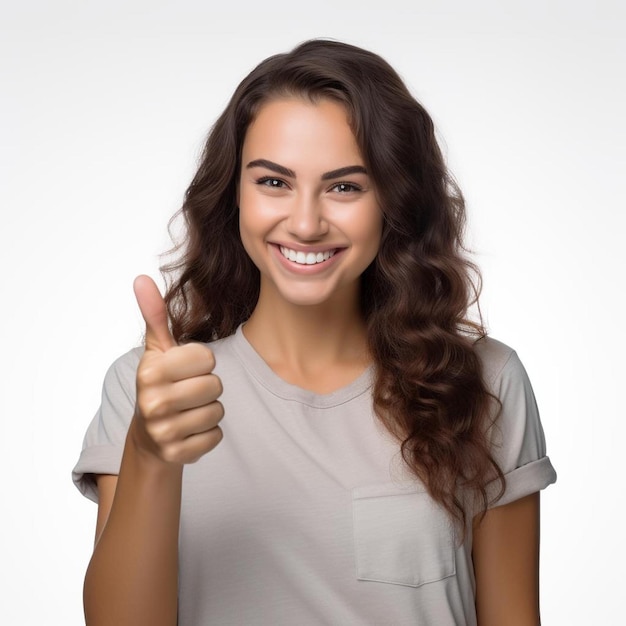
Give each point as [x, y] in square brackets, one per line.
[308, 295]
[306, 299]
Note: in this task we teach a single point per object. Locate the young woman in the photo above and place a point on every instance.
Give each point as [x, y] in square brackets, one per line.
[379, 457]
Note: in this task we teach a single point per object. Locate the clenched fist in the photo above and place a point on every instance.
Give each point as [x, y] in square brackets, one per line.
[177, 411]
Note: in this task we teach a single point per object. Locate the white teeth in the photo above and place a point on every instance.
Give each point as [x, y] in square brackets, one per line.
[306, 258]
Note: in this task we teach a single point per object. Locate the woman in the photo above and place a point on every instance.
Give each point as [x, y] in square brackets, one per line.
[381, 458]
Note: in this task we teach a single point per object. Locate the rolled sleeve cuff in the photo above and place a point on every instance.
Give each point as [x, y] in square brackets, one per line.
[95, 460]
[524, 480]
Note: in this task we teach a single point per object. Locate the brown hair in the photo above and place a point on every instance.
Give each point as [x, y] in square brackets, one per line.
[428, 390]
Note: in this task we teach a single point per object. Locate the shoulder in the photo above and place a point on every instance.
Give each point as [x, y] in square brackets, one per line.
[517, 436]
[126, 362]
[500, 363]
[121, 373]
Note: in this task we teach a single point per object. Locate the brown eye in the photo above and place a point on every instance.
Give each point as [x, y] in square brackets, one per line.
[274, 183]
[346, 187]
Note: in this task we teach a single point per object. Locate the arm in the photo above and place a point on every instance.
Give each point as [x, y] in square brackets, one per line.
[106, 485]
[132, 578]
[506, 564]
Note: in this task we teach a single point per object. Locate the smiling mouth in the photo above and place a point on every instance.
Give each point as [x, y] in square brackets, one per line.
[306, 258]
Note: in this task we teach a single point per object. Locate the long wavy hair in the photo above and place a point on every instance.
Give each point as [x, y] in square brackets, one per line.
[415, 296]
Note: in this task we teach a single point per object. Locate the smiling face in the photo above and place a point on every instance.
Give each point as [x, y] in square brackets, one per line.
[309, 216]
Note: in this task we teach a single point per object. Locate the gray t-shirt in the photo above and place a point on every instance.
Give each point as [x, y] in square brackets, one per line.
[305, 513]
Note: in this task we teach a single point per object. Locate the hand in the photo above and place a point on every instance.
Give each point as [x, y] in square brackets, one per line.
[177, 411]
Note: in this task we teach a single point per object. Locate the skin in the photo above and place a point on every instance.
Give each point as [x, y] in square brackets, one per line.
[506, 564]
[307, 327]
[132, 575]
[320, 343]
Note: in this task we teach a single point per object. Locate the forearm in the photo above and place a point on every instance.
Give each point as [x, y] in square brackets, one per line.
[132, 578]
[506, 564]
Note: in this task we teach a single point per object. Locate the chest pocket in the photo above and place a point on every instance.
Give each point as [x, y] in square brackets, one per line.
[401, 536]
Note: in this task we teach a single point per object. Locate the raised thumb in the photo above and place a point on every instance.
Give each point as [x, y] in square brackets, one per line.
[154, 313]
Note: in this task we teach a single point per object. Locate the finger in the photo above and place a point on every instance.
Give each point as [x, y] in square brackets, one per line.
[186, 424]
[154, 313]
[187, 361]
[194, 447]
[178, 363]
[181, 396]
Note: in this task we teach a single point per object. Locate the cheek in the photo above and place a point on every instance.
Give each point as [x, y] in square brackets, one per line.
[256, 210]
[249, 215]
[368, 228]
[255, 222]
[247, 231]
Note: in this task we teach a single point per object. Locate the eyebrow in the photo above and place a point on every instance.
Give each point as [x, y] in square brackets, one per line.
[270, 165]
[285, 171]
[344, 171]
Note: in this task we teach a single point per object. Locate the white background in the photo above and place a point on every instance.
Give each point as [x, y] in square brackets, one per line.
[103, 110]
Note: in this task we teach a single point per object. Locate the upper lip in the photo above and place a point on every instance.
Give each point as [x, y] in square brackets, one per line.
[301, 248]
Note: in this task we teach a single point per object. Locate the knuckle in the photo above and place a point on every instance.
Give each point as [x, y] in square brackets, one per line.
[171, 454]
[154, 406]
[163, 431]
[147, 375]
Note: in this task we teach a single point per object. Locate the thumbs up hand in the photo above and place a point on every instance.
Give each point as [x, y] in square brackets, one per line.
[177, 412]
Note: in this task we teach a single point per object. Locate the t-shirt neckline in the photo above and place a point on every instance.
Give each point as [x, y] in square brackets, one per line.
[265, 375]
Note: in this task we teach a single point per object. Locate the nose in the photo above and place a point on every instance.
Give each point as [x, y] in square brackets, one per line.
[306, 219]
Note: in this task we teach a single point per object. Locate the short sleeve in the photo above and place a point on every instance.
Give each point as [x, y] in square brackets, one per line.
[517, 436]
[105, 437]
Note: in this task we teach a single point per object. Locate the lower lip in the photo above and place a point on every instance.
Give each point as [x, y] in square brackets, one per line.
[302, 269]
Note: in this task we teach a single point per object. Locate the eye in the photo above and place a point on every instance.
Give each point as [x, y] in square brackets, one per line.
[346, 187]
[272, 183]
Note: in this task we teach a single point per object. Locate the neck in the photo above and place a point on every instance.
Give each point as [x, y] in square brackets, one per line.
[308, 338]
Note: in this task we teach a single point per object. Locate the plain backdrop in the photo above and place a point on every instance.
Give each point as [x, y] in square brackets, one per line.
[103, 110]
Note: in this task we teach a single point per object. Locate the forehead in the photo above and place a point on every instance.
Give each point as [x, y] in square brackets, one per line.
[291, 129]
